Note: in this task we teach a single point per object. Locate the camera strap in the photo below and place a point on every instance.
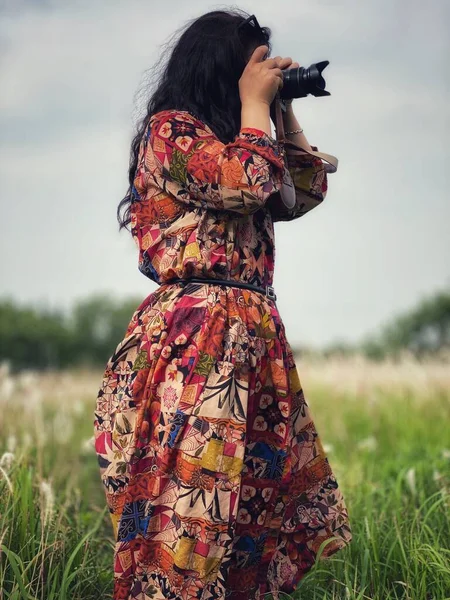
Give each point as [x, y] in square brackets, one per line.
[294, 149]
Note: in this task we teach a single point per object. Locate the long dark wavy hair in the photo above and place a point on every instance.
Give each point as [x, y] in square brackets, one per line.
[200, 75]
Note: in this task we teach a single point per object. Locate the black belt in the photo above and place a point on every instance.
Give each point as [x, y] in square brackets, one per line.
[268, 290]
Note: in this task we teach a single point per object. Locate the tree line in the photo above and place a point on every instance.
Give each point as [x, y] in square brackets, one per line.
[41, 338]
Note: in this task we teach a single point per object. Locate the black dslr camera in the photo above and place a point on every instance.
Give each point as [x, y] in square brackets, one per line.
[297, 82]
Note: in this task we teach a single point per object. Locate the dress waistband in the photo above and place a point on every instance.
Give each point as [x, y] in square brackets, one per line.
[268, 290]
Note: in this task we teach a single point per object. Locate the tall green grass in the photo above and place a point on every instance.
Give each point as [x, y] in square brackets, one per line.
[392, 459]
[55, 533]
[386, 432]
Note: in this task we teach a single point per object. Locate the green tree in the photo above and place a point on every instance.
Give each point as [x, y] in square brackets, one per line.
[36, 338]
[33, 339]
[98, 324]
[423, 330]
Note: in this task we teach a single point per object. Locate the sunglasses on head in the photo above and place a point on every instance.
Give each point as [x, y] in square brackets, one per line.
[252, 20]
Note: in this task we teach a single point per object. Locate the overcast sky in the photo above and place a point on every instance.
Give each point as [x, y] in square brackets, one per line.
[379, 242]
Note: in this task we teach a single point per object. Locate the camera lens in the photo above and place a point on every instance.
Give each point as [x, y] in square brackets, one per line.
[301, 81]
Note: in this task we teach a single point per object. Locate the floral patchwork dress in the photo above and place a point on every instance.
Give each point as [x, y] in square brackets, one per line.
[215, 476]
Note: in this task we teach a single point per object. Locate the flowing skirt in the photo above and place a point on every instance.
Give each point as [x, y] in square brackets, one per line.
[215, 476]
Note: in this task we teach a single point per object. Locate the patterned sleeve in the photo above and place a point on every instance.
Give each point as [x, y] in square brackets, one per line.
[309, 175]
[191, 163]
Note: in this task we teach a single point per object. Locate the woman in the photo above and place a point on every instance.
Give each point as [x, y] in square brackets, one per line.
[216, 479]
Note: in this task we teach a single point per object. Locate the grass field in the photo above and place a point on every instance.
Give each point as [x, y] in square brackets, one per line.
[385, 427]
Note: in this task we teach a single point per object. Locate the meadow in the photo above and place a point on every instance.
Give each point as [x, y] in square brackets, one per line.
[385, 428]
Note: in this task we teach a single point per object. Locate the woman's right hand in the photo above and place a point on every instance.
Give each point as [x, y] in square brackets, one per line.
[261, 79]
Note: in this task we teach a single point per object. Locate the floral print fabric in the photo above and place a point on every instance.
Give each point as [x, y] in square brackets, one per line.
[215, 476]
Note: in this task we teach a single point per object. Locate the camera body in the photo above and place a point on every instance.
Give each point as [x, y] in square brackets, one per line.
[301, 81]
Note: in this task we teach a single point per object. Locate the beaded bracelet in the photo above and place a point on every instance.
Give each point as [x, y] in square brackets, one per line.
[295, 131]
